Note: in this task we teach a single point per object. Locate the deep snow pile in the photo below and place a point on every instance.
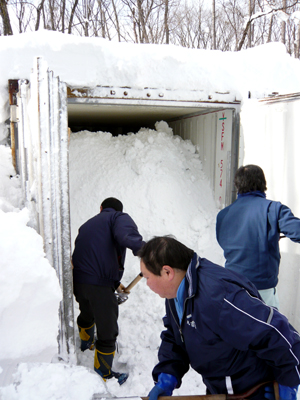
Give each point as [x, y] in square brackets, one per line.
[157, 176]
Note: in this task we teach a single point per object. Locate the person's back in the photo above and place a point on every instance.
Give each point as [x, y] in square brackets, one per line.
[98, 265]
[249, 230]
[249, 242]
[100, 247]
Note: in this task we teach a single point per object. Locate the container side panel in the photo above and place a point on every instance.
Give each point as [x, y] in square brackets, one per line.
[223, 156]
[272, 141]
[211, 133]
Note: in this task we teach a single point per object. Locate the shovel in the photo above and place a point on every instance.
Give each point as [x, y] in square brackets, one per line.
[243, 396]
[122, 295]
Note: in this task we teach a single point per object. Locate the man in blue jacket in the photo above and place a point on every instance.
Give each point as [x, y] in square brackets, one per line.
[217, 323]
[98, 265]
[249, 231]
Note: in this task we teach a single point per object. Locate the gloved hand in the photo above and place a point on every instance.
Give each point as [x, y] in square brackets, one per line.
[285, 392]
[121, 289]
[164, 387]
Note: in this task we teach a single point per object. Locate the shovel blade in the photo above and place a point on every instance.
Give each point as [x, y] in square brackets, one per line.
[121, 297]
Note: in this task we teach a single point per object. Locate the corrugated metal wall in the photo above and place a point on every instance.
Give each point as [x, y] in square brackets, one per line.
[216, 138]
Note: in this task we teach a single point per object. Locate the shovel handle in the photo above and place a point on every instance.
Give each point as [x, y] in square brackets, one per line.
[243, 396]
[192, 397]
[133, 283]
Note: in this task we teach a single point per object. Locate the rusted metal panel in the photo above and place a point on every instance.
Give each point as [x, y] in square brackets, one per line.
[154, 94]
[275, 97]
[13, 88]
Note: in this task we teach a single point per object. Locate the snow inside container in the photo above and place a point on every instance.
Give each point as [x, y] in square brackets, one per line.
[212, 124]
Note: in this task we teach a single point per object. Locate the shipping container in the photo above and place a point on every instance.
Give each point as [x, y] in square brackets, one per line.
[44, 112]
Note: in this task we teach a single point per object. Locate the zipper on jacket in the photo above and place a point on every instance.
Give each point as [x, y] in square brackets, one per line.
[178, 326]
[183, 315]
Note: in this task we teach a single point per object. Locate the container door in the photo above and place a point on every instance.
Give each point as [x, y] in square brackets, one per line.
[42, 157]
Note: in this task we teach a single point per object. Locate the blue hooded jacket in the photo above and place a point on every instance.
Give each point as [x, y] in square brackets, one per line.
[227, 334]
[100, 248]
[248, 231]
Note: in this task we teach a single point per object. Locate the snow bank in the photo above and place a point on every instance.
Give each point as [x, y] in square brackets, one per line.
[10, 191]
[52, 381]
[29, 289]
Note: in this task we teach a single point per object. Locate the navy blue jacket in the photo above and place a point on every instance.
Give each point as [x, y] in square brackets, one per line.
[100, 248]
[227, 334]
[248, 231]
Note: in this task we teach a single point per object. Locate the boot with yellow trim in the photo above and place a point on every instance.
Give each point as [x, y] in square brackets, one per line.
[102, 365]
[87, 336]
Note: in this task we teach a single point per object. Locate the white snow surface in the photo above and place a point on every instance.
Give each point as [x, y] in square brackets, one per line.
[88, 62]
[157, 176]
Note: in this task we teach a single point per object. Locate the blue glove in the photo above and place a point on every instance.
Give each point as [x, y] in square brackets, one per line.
[164, 387]
[285, 392]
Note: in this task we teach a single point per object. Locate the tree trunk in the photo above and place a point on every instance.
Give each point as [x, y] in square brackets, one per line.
[166, 22]
[7, 30]
[72, 16]
[117, 21]
[63, 11]
[102, 18]
[214, 23]
[270, 29]
[86, 23]
[297, 52]
[52, 14]
[38, 15]
[283, 24]
[134, 26]
[244, 35]
[250, 28]
[142, 22]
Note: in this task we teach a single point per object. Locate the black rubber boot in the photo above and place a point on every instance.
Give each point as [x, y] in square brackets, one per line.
[102, 365]
[87, 336]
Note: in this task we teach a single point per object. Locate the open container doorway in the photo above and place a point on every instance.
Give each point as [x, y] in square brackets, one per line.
[44, 112]
[211, 125]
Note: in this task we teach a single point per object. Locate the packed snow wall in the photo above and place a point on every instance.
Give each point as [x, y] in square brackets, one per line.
[158, 177]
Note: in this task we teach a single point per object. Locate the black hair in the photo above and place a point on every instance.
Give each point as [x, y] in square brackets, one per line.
[112, 202]
[250, 178]
[165, 250]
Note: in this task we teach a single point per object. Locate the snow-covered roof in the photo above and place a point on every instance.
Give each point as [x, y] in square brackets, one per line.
[179, 73]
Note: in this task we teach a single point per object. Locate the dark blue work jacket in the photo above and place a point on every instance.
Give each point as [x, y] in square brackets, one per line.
[248, 231]
[227, 334]
[100, 248]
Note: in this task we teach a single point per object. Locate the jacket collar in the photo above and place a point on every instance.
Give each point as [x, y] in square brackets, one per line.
[191, 275]
[255, 193]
